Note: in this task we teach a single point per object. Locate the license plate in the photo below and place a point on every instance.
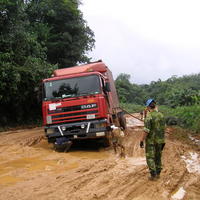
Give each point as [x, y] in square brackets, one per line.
[90, 116]
[100, 134]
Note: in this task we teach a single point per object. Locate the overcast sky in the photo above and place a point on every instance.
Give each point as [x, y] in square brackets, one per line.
[148, 39]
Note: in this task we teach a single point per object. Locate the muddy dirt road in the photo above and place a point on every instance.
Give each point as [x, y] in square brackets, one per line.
[31, 169]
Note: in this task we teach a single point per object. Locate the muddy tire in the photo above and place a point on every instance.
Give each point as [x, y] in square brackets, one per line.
[122, 120]
[64, 147]
[107, 141]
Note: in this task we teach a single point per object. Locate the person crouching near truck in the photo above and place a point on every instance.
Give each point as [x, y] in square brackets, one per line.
[154, 129]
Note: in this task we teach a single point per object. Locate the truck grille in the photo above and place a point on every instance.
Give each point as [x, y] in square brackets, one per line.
[73, 108]
[73, 113]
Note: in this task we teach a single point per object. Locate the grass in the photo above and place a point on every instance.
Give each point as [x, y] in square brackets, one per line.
[132, 108]
[30, 124]
[187, 117]
[180, 134]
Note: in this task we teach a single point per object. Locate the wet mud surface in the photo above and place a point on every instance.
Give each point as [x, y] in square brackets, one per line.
[31, 169]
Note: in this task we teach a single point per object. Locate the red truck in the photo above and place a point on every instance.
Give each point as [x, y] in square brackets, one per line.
[81, 103]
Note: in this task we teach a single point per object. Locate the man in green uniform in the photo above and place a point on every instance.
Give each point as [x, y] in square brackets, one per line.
[154, 129]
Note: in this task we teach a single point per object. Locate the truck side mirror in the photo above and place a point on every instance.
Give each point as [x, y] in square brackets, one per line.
[107, 87]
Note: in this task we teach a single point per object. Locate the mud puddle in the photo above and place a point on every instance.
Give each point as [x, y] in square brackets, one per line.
[31, 169]
[43, 159]
[80, 149]
[9, 180]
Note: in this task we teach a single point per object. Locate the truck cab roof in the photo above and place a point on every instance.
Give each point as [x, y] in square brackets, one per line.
[92, 67]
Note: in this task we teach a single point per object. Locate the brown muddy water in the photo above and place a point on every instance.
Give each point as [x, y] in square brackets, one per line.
[30, 169]
[16, 166]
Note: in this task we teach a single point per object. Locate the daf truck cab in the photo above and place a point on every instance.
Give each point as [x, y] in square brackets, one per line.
[81, 103]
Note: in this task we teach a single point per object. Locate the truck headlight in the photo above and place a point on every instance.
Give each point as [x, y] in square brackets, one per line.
[82, 126]
[63, 128]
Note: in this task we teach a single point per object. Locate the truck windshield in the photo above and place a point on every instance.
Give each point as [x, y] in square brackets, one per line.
[72, 87]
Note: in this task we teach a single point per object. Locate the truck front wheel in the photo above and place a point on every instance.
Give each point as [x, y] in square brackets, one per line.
[62, 144]
[107, 140]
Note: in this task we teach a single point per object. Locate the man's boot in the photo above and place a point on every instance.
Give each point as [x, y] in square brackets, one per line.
[153, 176]
[158, 173]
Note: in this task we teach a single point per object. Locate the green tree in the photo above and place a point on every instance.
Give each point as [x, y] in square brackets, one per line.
[32, 34]
[22, 64]
[128, 92]
[123, 87]
[61, 27]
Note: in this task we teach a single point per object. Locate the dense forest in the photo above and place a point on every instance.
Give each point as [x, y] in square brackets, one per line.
[173, 92]
[36, 36]
[177, 97]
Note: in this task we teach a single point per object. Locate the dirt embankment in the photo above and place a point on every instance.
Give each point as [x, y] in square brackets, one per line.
[31, 169]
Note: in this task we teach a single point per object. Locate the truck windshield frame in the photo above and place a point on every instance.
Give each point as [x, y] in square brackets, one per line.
[72, 87]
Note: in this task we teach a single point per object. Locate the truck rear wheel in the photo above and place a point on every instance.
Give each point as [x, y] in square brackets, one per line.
[122, 120]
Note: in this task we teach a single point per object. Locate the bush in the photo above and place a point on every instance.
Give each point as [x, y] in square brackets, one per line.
[132, 108]
[171, 120]
[184, 116]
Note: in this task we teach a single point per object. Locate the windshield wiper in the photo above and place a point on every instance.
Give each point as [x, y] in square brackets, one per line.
[87, 92]
[83, 93]
[52, 98]
[67, 95]
[70, 96]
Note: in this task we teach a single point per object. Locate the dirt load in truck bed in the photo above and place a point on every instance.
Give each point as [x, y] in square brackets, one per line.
[31, 169]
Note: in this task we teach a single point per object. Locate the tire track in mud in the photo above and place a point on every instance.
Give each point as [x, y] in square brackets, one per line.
[95, 174]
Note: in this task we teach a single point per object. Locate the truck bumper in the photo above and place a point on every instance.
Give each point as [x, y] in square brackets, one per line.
[78, 130]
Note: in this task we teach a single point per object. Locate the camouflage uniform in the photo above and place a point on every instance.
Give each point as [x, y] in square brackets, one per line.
[154, 125]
